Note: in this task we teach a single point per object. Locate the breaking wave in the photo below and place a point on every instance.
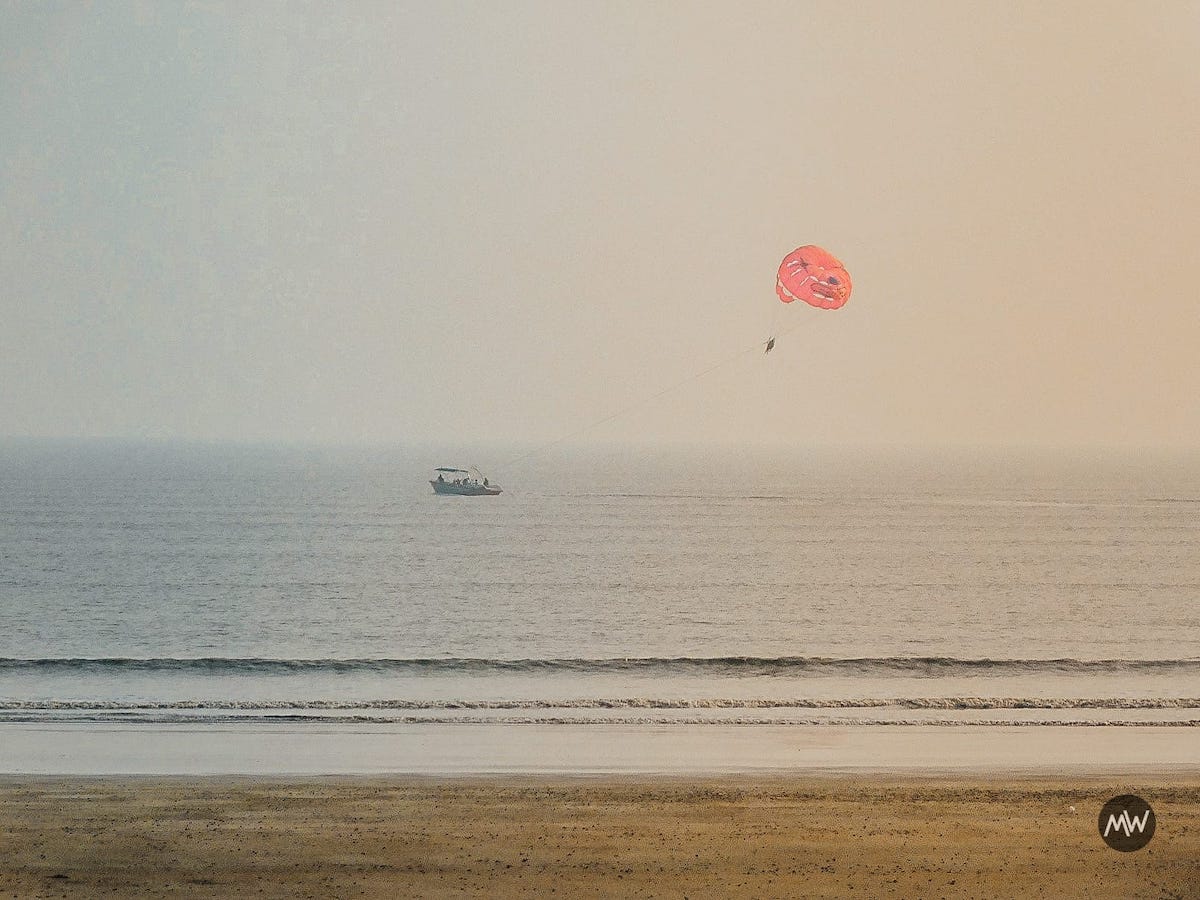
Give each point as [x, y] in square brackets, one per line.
[733, 665]
[301, 718]
[927, 711]
[604, 703]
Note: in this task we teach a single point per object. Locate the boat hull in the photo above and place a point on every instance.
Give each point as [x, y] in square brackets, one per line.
[464, 490]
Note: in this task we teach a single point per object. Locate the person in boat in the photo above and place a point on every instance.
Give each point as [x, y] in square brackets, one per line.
[440, 478]
[485, 482]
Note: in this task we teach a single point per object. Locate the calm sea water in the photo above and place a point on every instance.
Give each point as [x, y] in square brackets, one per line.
[163, 583]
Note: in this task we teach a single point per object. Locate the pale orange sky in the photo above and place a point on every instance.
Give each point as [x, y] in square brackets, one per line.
[505, 221]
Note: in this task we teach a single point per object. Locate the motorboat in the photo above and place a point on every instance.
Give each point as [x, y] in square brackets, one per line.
[463, 482]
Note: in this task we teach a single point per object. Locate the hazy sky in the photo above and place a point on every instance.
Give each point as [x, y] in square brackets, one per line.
[354, 221]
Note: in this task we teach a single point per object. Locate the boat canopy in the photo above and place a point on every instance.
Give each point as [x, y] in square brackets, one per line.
[446, 469]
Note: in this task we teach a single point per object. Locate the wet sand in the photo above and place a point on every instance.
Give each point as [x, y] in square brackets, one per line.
[368, 749]
[809, 836]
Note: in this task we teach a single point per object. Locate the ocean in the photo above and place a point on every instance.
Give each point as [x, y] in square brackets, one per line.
[156, 586]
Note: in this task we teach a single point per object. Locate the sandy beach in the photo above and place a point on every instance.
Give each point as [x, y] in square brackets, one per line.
[810, 836]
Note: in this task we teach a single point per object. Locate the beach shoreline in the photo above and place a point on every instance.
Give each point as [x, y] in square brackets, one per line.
[813, 835]
[370, 749]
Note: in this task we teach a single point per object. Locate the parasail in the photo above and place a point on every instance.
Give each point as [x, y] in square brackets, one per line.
[815, 276]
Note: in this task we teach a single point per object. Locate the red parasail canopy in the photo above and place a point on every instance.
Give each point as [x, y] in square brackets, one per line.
[815, 276]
